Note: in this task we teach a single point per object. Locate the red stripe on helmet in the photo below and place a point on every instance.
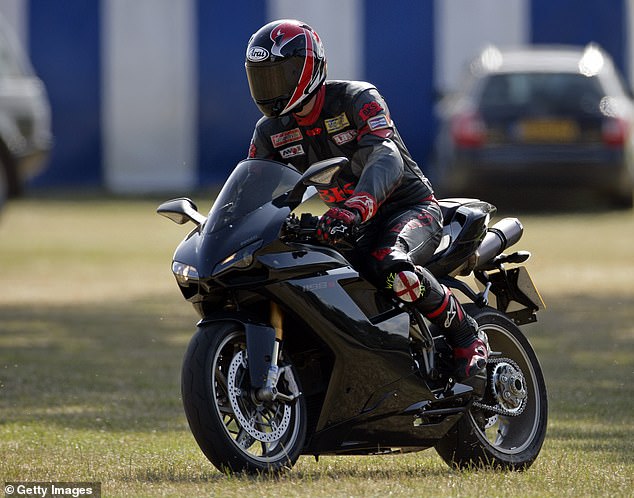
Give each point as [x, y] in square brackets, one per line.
[307, 72]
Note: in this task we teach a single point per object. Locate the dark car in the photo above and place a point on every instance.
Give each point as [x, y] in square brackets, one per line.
[537, 117]
[25, 117]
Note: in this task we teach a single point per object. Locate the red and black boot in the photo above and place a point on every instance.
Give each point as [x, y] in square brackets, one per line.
[470, 353]
[441, 307]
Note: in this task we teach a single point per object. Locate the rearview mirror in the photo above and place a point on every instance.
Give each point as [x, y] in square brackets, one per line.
[181, 211]
[322, 173]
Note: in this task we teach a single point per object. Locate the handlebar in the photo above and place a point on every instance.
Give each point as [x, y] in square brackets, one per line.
[304, 229]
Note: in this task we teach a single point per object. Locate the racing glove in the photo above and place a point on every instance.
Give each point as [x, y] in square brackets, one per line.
[337, 225]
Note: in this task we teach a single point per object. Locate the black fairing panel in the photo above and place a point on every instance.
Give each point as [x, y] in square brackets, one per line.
[381, 381]
[291, 261]
[205, 250]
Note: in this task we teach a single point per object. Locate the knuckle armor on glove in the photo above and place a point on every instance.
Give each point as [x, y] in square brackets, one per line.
[336, 224]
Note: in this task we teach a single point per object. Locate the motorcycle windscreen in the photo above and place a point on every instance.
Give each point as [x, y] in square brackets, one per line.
[244, 213]
[252, 184]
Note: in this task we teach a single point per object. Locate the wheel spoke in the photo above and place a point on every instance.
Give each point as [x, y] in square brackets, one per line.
[244, 440]
[225, 409]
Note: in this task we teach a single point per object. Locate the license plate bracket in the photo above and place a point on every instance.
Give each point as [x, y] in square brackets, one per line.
[515, 294]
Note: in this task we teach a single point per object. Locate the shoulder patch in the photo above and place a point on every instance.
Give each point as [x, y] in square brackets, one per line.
[370, 109]
[337, 123]
[378, 122]
[286, 137]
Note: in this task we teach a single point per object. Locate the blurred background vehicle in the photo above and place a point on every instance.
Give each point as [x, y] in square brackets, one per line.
[540, 117]
[25, 117]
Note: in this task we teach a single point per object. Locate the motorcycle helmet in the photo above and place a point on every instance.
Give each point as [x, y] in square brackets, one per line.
[285, 65]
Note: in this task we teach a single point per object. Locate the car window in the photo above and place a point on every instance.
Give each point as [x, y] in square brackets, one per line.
[549, 92]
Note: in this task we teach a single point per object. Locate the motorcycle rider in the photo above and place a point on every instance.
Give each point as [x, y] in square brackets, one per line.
[382, 193]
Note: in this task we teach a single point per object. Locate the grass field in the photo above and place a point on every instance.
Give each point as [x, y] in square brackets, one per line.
[93, 329]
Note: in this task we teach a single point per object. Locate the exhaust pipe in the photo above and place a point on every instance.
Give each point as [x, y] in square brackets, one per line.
[503, 234]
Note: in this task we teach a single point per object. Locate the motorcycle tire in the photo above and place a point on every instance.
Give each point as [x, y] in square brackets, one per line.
[483, 438]
[235, 431]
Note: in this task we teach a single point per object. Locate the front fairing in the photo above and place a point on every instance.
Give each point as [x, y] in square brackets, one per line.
[247, 211]
[259, 228]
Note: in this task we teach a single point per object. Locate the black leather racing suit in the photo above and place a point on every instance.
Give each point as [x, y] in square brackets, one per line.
[402, 222]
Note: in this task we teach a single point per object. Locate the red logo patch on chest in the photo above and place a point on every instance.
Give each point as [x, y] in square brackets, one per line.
[286, 137]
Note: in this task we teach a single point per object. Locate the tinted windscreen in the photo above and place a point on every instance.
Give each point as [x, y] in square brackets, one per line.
[541, 92]
[252, 184]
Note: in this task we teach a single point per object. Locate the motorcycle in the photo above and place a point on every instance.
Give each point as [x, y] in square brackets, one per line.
[296, 353]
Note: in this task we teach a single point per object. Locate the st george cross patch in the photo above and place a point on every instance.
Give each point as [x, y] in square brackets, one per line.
[406, 286]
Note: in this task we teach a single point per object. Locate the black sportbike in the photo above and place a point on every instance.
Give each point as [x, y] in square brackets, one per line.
[297, 353]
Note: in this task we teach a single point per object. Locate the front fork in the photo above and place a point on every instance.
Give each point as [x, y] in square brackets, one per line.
[269, 392]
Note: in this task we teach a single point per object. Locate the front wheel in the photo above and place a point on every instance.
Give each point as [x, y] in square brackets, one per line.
[236, 431]
[506, 429]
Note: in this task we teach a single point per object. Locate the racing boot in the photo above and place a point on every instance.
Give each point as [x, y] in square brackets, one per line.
[441, 307]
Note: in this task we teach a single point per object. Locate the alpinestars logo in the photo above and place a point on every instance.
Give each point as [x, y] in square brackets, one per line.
[451, 313]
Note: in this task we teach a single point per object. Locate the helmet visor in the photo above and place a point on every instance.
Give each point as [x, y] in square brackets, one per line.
[269, 82]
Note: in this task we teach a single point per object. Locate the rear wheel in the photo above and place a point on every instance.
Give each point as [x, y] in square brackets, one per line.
[234, 429]
[507, 428]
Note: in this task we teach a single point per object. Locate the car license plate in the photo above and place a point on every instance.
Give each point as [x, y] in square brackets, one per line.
[548, 130]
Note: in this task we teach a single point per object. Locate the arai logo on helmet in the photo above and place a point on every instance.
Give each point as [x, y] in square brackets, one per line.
[257, 54]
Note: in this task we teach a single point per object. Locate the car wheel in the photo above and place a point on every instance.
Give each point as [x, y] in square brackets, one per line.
[623, 199]
[623, 196]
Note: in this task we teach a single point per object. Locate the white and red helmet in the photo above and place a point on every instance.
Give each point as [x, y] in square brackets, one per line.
[286, 66]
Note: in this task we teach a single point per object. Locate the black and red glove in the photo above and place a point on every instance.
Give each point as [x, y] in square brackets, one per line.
[337, 225]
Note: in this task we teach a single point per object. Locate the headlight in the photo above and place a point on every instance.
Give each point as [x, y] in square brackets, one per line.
[185, 274]
[239, 259]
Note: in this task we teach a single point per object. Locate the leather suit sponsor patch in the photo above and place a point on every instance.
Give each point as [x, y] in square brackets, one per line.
[345, 137]
[337, 123]
[378, 122]
[336, 193]
[293, 150]
[286, 137]
[370, 109]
